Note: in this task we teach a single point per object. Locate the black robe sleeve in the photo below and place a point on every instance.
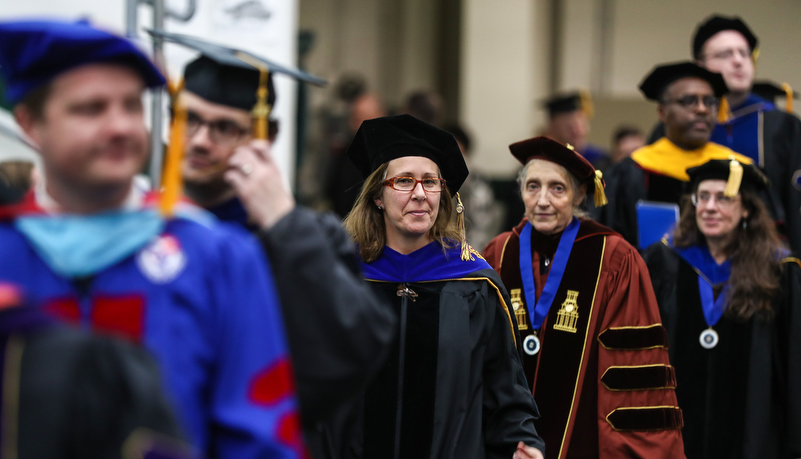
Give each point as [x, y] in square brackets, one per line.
[782, 163]
[338, 331]
[509, 408]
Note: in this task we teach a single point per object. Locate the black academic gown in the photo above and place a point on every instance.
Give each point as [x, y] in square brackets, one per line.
[630, 183]
[741, 399]
[453, 386]
[68, 394]
[338, 330]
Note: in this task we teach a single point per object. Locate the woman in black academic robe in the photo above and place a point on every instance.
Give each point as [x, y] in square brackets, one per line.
[453, 386]
[730, 299]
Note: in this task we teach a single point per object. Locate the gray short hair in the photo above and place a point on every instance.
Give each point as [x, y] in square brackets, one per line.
[575, 184]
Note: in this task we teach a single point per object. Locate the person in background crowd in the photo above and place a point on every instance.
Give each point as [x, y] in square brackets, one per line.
[68, 394]
[453, 386]
[92, 250]
[625, 141]
[338, 332]
[750, 124]
[595, 351]
[484, 215]
[569, 123]
[688, 97]
[729, 296]
[426, 106]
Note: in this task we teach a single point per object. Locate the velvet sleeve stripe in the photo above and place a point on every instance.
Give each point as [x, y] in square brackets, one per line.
[634, 338]
[639, 377]
[646, 418]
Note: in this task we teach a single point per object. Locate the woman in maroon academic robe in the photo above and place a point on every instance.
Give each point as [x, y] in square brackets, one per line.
[595, 351]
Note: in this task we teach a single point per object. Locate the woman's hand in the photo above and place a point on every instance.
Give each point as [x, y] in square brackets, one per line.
[257, 180]
[527, 452]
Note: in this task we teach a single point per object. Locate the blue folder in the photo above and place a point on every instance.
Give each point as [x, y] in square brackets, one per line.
[655, 220]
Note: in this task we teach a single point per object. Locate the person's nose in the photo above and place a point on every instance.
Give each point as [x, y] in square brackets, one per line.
[543, 199]
[418, 192]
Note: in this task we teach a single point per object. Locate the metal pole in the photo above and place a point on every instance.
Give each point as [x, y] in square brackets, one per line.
[156, 143]
[131, 18]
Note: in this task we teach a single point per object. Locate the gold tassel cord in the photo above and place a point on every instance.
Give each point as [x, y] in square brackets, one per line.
[735, 179]
[724, 113]
[172, 182]
[586, 103]
[466, 255]
[261, 111]
[599, 196]
[788, 94]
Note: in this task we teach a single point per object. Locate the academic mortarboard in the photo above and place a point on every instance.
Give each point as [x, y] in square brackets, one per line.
[771, 91]
[715, 24]
[736, 174]
[232, 56]
[381, 140]
[548, 149]
[33, 52]
[663, 75]
[230, 85]
[570, 102]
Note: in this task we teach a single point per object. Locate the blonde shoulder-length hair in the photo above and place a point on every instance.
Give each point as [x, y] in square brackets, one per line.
[365, 222]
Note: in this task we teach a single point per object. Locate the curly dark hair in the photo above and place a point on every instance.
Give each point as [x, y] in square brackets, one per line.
[754, 252]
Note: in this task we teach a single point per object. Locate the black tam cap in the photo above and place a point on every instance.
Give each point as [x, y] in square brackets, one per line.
[381, 140]
[736, 174]
[566, 103]
[770, 90]
[715, 24]
[663, 75]
[231, 85]
[229, 76]
[566, 156]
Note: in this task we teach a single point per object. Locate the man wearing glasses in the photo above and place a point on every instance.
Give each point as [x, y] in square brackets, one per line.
[688, 98]
[338, 332]
[749, 124]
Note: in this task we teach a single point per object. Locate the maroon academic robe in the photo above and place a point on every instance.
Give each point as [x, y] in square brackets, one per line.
[602, 379]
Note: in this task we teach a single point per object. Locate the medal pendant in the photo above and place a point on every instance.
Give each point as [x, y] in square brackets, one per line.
[531, 345]
[709, 338]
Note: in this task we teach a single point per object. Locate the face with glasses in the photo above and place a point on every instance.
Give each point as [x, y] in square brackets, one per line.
[214, 131]
[689, 112]
[728, 53]
[717, 216]
[410, 201]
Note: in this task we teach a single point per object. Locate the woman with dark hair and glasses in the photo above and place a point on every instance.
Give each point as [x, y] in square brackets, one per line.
[453, 386]
[730, 298]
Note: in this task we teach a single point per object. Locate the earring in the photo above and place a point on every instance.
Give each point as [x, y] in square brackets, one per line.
[380, 207]
[745, 224]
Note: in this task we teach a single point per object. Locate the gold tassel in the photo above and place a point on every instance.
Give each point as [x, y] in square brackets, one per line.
[261, 111]
[788, 94]
[723, 111]
[466, 255]
[735, 178]
[586, 103]
[599, 195]
[172, 182]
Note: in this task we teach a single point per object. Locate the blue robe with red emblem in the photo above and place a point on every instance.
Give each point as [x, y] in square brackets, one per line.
[201, 298]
